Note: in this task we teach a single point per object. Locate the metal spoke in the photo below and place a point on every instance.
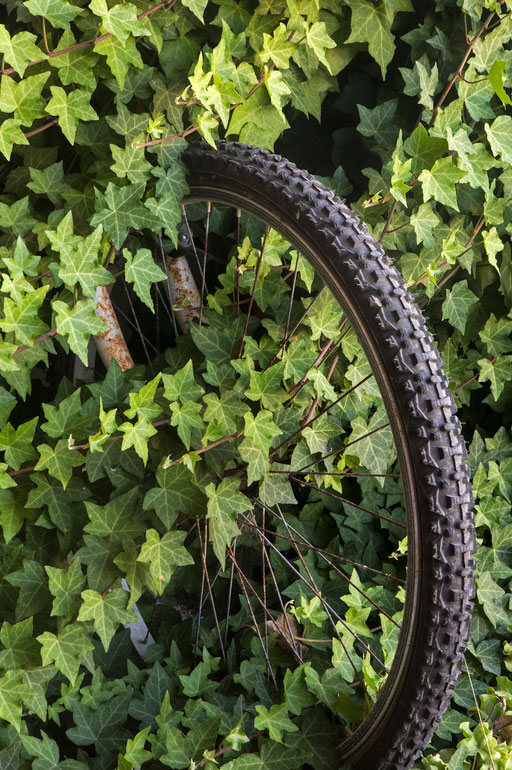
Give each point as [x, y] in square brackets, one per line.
[324, 603]
[292, 332]
[203, 272]
[205, 571]
[256, 275]
[325, 410]
[349, 502]
[350, 443]
[142, 338]
[242, 579]
[292, 294]
[170, 312]
[345, 577]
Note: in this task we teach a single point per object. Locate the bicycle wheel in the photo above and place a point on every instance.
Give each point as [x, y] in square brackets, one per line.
[365, 451]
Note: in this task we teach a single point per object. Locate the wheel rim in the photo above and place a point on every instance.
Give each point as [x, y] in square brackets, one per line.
[361, 652]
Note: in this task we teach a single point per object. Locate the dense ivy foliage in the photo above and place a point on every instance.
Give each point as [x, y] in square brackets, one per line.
[97, 99]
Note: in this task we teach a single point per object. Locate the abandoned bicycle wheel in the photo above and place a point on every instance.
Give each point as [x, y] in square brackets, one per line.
[322, 488]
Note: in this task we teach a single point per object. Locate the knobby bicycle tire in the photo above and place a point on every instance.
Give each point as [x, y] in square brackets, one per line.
[421, 410]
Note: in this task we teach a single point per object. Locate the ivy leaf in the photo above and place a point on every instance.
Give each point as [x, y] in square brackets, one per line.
[493, 245]
[275, 720]
[20, 649]
[369, 24]
[19, 50]
[261, 429]
[176, 493]
[10, 134]
[49, 181]
[142, 271]
[492, 599]
[120, 20]
[498, 373]
[277, 89]
[137, 574]
[182, 385]
[142, 404]
[11, 693]
[33, 593]
[106, 612]
[224, 503]
[324, 317]
[77, 324]
[65, 649]
[495, 76]
[135, 753]
[277, 47]
[59, 461]
[425, 221]
[496, 335]
[498, 134]
[17, 443]
[75, 66]
[137, 436]
[58, 12]
[118, 209]
[130, 163]
[318, 39]
[164, 555]
[116, 520]
[266, 386]
[256, 459]
[186, 417]
[457, 303]
[80, 265]
[120, 56]
[196, 6]
[65, 587]
[439, 182]
[21, 317]
[70, 108]
[24, 98]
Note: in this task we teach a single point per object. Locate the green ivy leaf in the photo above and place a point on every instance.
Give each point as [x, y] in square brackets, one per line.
[266, 386]
[65, 649]
[142, 272]
[196, 6]
[24, 98]
[369, 24]
[120, 19]
[77, 324]
[20, 649]
[275, 720]
[164, 554]
[19, 49]
[106, 612]
[224, 503]
[498, 134]
[66, 587]
[457, 303]
[498, 373]
[120, 55]
[58, 12]
[117, 519]
[70, 108]
[186, 417]
[59, 461]
[10, 134]
[439, 182]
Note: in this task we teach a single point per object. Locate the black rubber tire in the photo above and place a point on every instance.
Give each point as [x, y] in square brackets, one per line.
[421, 409]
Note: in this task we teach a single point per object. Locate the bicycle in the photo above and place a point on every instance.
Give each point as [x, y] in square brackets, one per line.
[275, 261]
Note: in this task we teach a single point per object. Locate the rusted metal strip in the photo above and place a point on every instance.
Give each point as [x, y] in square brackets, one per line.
[110, 344]
[185, 296]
